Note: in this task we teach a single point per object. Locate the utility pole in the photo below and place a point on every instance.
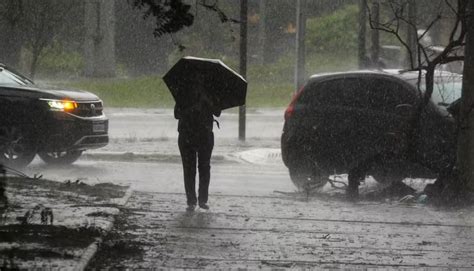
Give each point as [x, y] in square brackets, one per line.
[362, 32]
[262, 25]
[243, 61]
[300, 46]
[375, 50]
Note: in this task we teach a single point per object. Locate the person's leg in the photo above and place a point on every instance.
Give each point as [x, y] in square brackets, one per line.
[204, 164]
[188, 157]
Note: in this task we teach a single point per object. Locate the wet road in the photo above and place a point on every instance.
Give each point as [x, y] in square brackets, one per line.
[226, 177]
[250, 226]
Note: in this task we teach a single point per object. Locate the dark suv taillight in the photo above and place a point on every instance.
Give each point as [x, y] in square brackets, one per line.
[291, 107]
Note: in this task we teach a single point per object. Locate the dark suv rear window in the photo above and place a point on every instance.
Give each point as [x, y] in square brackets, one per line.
[338, 92]
[362, 92]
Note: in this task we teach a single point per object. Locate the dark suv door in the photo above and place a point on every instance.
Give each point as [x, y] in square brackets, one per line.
[393, 103]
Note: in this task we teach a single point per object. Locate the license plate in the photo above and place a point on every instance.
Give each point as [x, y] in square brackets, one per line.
[98, 127]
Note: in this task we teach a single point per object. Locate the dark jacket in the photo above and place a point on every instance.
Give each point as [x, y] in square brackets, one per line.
[198, 119]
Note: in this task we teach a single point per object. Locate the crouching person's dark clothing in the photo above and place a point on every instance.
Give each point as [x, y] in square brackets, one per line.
[196, 141]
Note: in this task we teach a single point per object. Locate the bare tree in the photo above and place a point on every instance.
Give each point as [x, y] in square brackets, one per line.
[11, 14]
[42, 23]
[401, 21]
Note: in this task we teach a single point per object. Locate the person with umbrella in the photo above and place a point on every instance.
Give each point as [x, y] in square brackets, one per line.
[196, 140]
[202, 88]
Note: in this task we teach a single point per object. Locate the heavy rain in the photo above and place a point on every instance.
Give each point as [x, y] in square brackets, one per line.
[236, 134]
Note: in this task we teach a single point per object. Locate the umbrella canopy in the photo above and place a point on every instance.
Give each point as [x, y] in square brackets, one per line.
[190, 75]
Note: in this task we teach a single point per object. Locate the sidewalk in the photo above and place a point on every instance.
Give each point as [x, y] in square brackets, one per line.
[292, 232]
[50, 225]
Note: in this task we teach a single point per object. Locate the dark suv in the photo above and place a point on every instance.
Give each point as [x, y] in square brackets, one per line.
[58, 125]
[359, 123]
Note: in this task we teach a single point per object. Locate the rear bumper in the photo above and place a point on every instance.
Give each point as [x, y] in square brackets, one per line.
[65, 132]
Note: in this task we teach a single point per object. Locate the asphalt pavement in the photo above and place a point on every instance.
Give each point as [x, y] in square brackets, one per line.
[257, 219]
[274, 227]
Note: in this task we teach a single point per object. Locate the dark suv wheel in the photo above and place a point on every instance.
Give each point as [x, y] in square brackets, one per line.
[304, 171]
[60, 158]
[307, 178]
[16, 148]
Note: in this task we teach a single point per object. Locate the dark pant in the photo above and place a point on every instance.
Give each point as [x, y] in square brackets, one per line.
[192, 146]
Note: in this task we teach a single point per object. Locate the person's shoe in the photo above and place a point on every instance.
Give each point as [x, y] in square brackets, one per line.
[204, 206]
[190, 208]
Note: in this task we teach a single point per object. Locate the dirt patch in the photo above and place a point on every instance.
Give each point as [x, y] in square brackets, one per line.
[49, 235]
[43, 243]
[101, 191]
[119, 244]
[52, 223]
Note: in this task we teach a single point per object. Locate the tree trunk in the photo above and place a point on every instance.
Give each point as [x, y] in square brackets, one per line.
[465, 150]
[34, 64]
[412, 36]
[10, 45]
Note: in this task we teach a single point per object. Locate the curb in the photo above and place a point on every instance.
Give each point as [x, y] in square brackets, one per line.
[91, 250]
[255, 156]
[143, 157]
[261, 156]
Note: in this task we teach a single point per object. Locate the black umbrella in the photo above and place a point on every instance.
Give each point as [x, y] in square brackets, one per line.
[190, 75]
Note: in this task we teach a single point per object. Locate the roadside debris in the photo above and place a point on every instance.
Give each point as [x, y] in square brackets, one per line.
[81, 214]
[37, 213]
[408, 199]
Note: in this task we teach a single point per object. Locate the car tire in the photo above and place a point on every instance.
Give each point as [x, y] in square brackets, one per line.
[17, 149]
[60, 158]
[307, 177]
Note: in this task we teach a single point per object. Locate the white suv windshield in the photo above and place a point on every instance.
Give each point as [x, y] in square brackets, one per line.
[9, 78]
[446, 92]
[446, 89]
